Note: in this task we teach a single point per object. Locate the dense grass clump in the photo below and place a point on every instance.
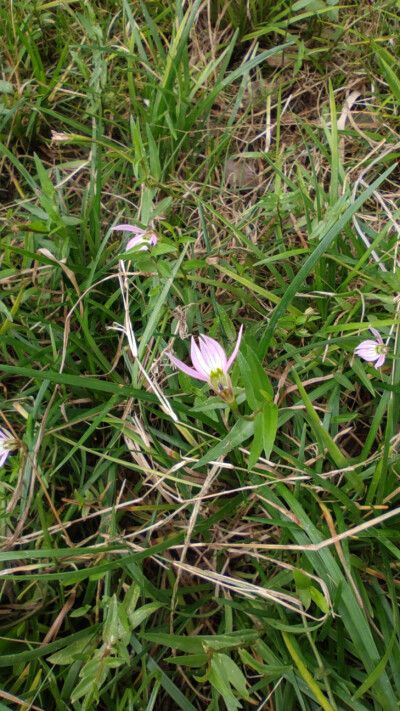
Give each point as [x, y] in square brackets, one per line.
[228, 541]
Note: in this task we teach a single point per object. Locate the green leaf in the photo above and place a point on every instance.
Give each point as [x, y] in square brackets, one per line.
[192, 645]
[360, 370]
[319, 599]
[255, 379]
[304, 672]
[5, 311]
[226, 322]
[222, 686]
[270, 672]
[110, 629]
[270, 425]
[72, 652]
[138, 616]
[93, 676]
[45, 182]
[258, 441]
[188, 660]
[197, 645]
[251, 396]
[239, 638]
[80, 611]
[231, 672]
[155, 167]
[375, 674]
[305, 598]
[131, 598]
[6, 87]
[386, 61]
[302, 581]
[78, 381]
[241, 430]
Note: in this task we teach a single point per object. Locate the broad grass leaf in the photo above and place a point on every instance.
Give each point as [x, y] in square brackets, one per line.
[241, 430]
[375, 674]
[188, 660]
[270, 425]
[232, 672]
[221, 684]
[319, 599]
[70, 654]
[258, 441]
[192, 645]
[254, 377]
[360, 370]
[136, 618]
[110, 629]
[270, 672]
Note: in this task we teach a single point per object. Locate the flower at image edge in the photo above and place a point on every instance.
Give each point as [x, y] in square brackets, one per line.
[5, 439]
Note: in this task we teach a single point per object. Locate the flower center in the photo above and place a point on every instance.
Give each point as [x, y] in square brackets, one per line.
[218, 380]
[381, 349]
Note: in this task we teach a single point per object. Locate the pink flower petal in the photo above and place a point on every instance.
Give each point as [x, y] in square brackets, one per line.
[235, 350]
[380, 361]
[134, 242]
[186, 368]
[367, 344]
[213, 353]
[369, 356]
[207, 358]
[376, 334]
[129, 228]
[5, 436]
[198, 361]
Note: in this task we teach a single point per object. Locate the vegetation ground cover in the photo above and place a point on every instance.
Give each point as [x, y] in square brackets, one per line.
[160, 548]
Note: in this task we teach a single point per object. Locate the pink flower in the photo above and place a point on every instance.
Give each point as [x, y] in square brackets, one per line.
[5, 442]
[373, 351]
[210, 364]
[142, 238]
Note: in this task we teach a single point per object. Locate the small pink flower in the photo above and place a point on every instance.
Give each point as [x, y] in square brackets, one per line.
[5, 445]
[142, 238]
[210, 364]
[373, 351]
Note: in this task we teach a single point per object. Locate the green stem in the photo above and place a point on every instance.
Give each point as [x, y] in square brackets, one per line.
[235, 409]
[312, 685]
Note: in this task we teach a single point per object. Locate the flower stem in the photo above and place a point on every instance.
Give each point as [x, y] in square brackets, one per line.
[235, 409]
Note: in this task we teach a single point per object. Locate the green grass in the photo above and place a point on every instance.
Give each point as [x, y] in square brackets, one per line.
[160, 550]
